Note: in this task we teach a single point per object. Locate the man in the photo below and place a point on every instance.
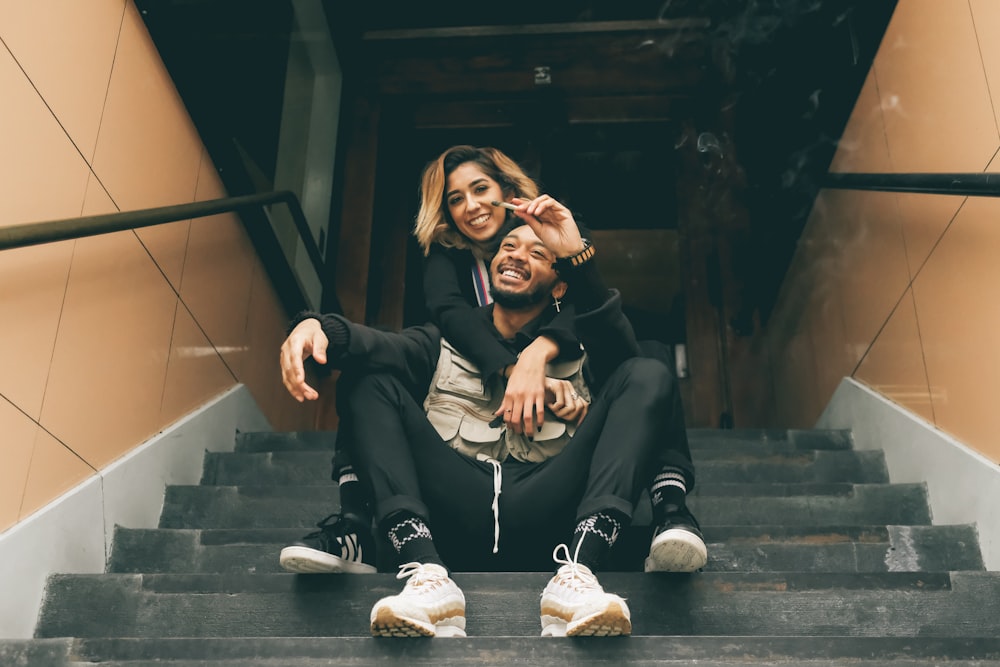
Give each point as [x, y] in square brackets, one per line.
[454, 462]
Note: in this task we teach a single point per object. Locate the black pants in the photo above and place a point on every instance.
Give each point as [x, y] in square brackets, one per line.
[611, 459]
[674, 452]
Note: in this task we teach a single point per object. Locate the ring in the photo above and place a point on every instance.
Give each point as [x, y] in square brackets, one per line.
[509, 410]
[574, 395]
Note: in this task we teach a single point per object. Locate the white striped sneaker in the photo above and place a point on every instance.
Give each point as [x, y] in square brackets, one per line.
[430, 605]
[340, 545]
[575, 605]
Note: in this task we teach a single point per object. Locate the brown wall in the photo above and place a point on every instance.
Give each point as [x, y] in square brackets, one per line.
[899, 291]
[105, 341]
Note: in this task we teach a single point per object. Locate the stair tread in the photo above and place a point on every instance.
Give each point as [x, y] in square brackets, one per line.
[893, 604]
[898, 548]
[721, 649]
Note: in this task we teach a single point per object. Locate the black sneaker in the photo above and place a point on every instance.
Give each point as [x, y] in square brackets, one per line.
[678, 545]
[341, 544]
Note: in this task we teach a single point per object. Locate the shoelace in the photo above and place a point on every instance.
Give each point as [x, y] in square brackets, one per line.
[497, 483]
[418, 575]
[576, 578]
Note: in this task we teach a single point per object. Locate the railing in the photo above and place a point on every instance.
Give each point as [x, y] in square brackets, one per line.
[975, 185]
[36, 233]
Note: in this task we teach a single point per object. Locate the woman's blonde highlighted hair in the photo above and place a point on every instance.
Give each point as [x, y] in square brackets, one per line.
[434, 223]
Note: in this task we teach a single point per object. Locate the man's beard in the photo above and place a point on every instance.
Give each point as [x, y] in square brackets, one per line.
[521, 300]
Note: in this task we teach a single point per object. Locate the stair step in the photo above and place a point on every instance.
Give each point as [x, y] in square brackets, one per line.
[35, 652]
[896, 604]
[301, 506]
[313, 467]
[896, 548]
[637, 651]
[700, 440]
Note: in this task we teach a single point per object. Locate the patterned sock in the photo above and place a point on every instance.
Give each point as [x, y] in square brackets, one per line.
[668, 489]
[411, 538]
[594, 537]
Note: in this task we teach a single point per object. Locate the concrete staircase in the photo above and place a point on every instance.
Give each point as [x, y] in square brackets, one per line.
[814, 559]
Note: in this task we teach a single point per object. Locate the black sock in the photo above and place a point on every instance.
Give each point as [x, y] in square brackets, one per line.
[594, 537]
[352, 499]
[667, 492]
[411, 538]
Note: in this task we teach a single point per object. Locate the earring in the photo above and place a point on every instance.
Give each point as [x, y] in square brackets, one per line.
[556, 302]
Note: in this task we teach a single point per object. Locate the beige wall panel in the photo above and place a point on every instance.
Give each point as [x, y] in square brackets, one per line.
[217, 275]
[261, 372]
[167, 244]
[106, 383]
[215, 286]
[18, 443]
[863, 147]
[148, 151]
[195, 372]
[925, 217]
[54, 471]
[266, 325]
[873, 268]
[42, 176]
[935, 100]
[71, 66]
[894, 365]
[986, 17]
[32, 288]
[956, 295]
[97, 201]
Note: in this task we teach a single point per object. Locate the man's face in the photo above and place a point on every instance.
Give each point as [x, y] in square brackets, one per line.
[521, 272]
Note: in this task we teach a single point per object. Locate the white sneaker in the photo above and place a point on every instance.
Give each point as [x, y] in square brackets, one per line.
[575, 605]
[431, 605]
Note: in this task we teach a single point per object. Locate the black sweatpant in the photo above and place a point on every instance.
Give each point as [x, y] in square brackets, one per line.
[611, 459]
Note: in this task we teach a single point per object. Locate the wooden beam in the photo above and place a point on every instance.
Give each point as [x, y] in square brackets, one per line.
[356, 209]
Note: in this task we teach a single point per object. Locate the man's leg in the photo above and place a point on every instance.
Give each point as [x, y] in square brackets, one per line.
[400, 459]
[343, 542]
[623, 427]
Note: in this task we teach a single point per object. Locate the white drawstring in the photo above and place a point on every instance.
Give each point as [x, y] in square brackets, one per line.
[497, 482]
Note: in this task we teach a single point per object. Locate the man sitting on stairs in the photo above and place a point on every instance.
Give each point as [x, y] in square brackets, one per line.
[454, 464]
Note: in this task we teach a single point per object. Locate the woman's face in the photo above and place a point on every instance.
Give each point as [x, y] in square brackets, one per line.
[468, 194]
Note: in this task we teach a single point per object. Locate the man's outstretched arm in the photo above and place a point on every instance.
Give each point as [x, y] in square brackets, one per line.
[331, 340]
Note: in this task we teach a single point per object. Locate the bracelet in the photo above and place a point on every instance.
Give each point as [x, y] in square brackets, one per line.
[579, 259]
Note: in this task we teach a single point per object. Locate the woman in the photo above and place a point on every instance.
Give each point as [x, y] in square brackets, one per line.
[458, 227]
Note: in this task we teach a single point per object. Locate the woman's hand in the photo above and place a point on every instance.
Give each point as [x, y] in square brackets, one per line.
[561, 398]
[523, 406]
[552, 222]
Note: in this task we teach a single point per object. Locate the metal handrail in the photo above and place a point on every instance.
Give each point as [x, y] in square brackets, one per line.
[975, 185]
[36, 233]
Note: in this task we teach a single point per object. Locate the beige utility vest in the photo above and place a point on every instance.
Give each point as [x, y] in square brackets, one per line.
[460, 406]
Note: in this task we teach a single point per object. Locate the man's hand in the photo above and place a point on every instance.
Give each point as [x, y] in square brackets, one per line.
[552, 222]
[306, 340]
[523, 405]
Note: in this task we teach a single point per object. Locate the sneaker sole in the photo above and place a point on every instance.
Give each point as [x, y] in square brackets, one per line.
[676, 550]
[385, 623]
[303, 560]
[613, 621]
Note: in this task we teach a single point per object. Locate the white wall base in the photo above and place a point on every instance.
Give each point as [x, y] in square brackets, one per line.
[73, 533]
[962, 485]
